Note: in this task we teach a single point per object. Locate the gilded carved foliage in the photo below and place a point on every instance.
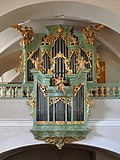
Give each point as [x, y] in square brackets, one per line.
[66, 62]
[31, 103]
[91, 32]
[62, 99]
[60, 141]
[77, 88]
[52, 38]
[88, 102]
[27, 34]
[99, 68]
[44, 89]
[73, 40]
[20, 69]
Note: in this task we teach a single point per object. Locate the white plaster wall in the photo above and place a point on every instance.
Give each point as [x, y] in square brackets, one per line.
[105, 109]
[14, 110]
[112, 65]
[9, 76]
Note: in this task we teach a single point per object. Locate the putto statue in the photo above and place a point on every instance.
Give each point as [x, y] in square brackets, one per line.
[60, 84]
[38, 64]
[80, 65]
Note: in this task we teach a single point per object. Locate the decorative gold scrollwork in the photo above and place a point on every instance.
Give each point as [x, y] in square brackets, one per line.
[31, 103]
[60, 141]
[43, 52]
[88, 53]
[90, 33]
[20, 69]
[59, 29]
[99, 68]
[73, 40]
[66, 62]
[76, 52]
[47, 40]
[59, 122]
[52, 38]
[30, 54]
[27, 34]
[43, 89]
[77, 88]
[62, 99]
[88, 102]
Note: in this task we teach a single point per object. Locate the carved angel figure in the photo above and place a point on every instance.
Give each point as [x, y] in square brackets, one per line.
[38, 64]
[80, 65]
[59, 82]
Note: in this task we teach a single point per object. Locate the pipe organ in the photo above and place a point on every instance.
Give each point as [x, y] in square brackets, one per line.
[59, 65]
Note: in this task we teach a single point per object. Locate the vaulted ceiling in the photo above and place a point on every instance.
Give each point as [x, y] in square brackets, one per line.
[40, 13]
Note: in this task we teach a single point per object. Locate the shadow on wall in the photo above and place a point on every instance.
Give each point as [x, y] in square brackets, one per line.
[69, 152]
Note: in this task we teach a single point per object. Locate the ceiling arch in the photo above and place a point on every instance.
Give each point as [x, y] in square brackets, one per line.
[19, 12]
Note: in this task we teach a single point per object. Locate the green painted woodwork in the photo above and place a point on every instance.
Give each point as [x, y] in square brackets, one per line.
[104, 90]
[16, 91]
[56, 129]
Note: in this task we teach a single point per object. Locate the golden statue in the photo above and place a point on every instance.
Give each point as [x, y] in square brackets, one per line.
[80, 65]
[38, 64]
[59, 82]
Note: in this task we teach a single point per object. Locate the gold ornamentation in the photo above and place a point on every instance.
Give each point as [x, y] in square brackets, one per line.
[20, 67]
[76, 52]
[52, 67]
[60, 84]
[80, 65]
[38, 64]
[88, 102]
[43, 89]
[59, 29]
[55, 38]
[31, 54]
[27, 34]
[52, 38]
[88, 53]
[62, 99]
[46, 40]
[77, 88]
[31, 103]
[73, 40]
[66, 62]
[60, 141]
[43, 52]
[99, 68]
[60, 122]
[90, 33]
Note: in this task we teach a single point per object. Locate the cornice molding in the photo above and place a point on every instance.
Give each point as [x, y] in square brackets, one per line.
[91, 123]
